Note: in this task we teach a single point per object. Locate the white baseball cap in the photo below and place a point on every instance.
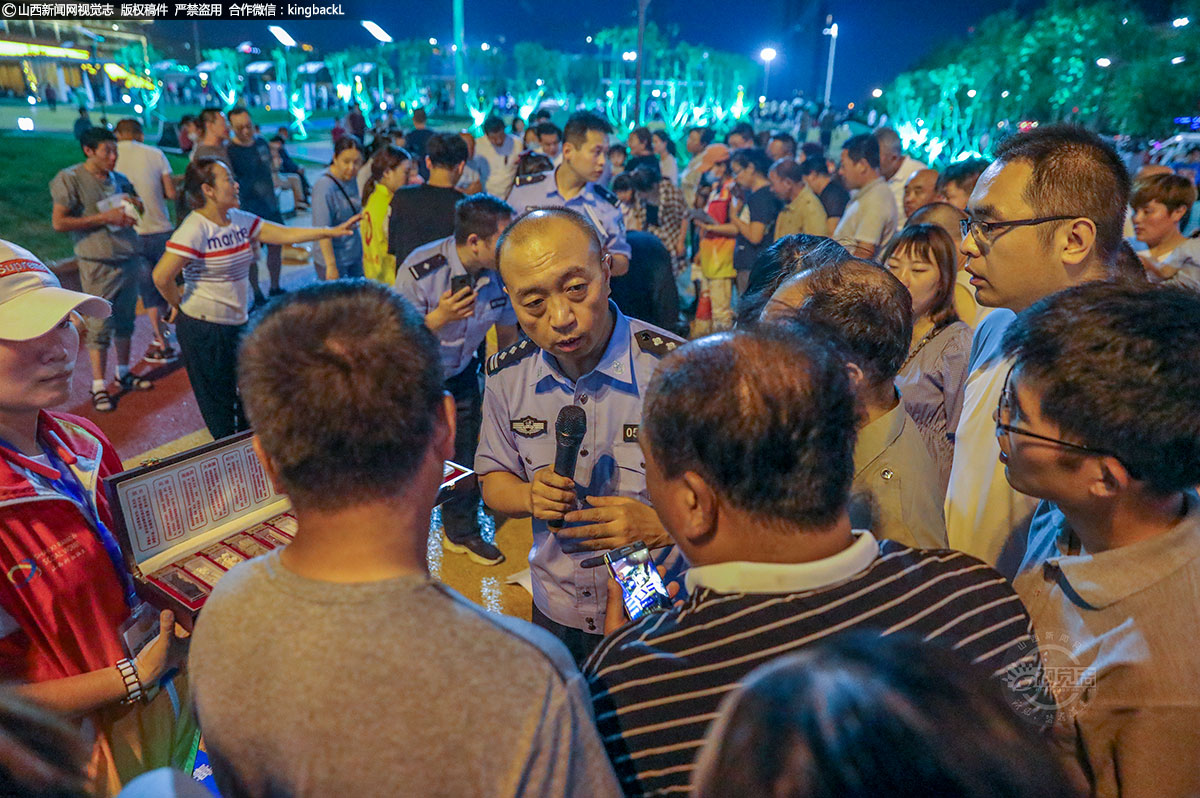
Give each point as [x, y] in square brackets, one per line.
[32, 300]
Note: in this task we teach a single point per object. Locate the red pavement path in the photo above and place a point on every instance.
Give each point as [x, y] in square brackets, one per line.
[142, 420]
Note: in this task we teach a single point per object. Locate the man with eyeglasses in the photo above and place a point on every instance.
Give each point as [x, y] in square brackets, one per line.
[1046, 215]
[1100, 418]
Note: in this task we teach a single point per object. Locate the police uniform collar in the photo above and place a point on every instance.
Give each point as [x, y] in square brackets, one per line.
[616, 364]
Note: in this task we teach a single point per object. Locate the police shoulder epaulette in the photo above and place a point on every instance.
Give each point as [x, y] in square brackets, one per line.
[656, 343]
[428, 266]
[507, 357]
[606, 195]
[526, 180]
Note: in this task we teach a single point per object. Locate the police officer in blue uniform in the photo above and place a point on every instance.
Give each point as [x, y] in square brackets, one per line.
[454, 283]
[573, 185]
[581, 351]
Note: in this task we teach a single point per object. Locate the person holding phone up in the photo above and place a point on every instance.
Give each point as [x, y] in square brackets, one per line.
[581, 351]
[453, 282]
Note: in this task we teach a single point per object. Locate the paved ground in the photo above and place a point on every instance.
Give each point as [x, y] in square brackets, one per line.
[165, 420]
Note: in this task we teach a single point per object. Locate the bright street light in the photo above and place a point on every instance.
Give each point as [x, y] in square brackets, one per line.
[832, 33]
[1004, 93]
[485, 47]
[1179, 59]
[1103, 63]
[767, 54]
[283, 36]
[971, 93]
[432, 42]
[379, 33]
[1180, 22]
[877, 93]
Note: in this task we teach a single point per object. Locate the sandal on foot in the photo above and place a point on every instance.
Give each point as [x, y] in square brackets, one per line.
[132, 382]
[102, 402]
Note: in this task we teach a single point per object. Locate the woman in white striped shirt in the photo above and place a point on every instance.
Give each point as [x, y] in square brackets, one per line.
[213, 248]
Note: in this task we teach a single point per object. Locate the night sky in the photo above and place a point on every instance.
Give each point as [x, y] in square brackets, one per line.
[877, 39]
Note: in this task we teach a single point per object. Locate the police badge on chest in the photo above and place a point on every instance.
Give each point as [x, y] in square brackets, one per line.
[528, 427]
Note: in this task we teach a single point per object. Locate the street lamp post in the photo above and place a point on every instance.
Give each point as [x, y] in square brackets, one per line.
[832, 33]
[767, 54]
[383, 37]
[637, 88]
[288, 43]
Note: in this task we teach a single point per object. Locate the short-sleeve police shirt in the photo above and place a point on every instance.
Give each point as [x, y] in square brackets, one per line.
[524, 392]
[422, 279]
[595, 202]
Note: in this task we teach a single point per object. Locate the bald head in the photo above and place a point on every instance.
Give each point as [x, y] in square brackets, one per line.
[943, 214]
[920, 189]
[862, 302]
[544, 227]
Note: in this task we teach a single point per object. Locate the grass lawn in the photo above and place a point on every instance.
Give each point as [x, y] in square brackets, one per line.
[32, 161]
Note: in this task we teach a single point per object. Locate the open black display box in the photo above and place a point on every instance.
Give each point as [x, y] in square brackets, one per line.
[182, 522]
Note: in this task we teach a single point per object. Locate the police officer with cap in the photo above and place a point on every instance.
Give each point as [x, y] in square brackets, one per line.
[573, 185]
[454, 283]
[581, 351]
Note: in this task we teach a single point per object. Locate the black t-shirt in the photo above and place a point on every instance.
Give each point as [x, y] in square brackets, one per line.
[835, 198]
[415, 143]
[647, 291]
[764, 207]
[251, 166]
[420, 214]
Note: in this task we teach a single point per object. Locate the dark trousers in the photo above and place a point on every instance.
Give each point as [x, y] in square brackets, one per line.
[460, 515]
[581, 644]
[210, 356]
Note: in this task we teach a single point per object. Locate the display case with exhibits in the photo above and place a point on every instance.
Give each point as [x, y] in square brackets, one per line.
[183, 522]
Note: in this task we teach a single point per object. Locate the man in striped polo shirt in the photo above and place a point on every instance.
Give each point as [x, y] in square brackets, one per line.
[749, 441]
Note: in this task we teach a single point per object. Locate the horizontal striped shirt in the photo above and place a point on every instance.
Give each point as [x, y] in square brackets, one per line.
[658, 682]
[216, 277]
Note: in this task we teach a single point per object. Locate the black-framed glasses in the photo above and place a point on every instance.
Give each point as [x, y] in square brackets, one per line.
[982, 231]
[1004, 415]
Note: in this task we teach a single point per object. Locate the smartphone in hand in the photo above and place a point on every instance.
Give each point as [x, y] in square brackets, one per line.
[641, 586]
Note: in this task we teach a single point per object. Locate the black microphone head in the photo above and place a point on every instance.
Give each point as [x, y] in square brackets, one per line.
[571, 423]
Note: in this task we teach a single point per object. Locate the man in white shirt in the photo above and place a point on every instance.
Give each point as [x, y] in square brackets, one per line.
[896, 167]
[499, 151]
[870, 218]
[1046, 215]
[147, 168]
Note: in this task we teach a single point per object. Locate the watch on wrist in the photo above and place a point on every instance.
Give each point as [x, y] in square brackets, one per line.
[133, 684]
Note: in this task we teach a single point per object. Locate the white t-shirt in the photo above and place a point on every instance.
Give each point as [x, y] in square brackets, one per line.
[217, 275]
[501, 163]
[145, 166]
[870, 218]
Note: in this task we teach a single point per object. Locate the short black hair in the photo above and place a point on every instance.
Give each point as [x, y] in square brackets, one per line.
[788, 140]
[623, 182]
[867, 306]
[348, 141]
[753, 156]
[342, 381]
[241, 109]
[207, 116]
[530, 163]
[707, 134]
[621, 148]
[863, 147]
[479, 214]
[1075, 172]
[128, 127]
[91, 138]
[756, 413]
[548, 129]
[1118, 369]
[964, 174]
[645, 176]
[493, 124]
[814, 166]
[813, 149]
[446, 150]
[642, 134]
[745, 130]
[580, 123]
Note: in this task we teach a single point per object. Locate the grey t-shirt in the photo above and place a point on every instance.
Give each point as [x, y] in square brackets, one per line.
[395, 687]
[78, 190]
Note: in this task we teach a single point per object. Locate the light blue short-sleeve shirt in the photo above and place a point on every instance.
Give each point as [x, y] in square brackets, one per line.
[595, 202]
[426, 274]
[525, 390]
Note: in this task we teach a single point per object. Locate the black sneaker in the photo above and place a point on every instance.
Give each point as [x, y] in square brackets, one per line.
[475, 547]
[274, 292]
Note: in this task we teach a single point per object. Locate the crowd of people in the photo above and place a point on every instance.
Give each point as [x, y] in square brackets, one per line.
[922, 484]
